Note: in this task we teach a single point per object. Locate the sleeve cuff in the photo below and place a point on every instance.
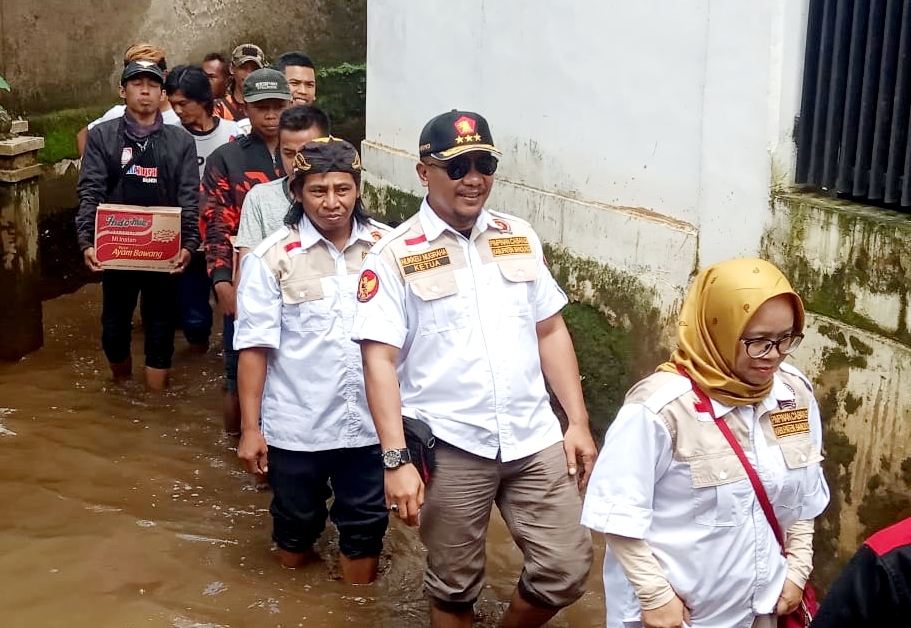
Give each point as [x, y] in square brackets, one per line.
[378, 330]
[222, 273]
[611, 518]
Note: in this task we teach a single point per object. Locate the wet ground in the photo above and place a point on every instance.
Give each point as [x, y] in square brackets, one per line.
[120, 508]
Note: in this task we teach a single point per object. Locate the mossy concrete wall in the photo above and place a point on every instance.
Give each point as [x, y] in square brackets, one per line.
[59, 55]
[852, 266]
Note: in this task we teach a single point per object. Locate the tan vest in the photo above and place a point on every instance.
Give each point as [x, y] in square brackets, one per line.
[299, 272]
[702, 445]
[430, 269]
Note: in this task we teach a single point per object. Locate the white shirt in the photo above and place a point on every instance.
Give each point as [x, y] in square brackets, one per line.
[713, 542]
[465, 321]
[206, 142]
[263, 212]
[168, 116]
[314, 397]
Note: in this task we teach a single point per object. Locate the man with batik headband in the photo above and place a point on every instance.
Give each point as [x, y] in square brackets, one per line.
[459, 323]
[305, 420]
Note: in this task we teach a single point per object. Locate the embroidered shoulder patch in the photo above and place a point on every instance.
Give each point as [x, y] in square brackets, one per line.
[367, 286]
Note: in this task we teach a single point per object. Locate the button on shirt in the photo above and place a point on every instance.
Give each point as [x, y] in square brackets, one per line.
[464, 314]
[297, 297]
[697, 510]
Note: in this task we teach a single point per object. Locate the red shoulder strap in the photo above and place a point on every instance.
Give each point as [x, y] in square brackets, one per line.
[705, 405]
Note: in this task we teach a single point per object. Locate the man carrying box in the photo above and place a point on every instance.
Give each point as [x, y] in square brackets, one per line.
[137, 160]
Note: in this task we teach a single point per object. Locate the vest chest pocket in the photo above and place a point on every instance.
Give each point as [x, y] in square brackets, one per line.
[440, 306]
[303, 306]
[799, 451]
[721, 490]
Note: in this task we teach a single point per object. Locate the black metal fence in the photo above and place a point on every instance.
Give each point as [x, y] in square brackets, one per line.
[852, 133]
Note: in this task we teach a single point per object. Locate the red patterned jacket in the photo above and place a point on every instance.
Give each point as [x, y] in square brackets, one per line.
[231, 171]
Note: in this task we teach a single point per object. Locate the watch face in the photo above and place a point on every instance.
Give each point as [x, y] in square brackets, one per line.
[392, 458]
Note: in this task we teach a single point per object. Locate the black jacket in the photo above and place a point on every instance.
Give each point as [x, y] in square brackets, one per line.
[101, 178]
[875, 587]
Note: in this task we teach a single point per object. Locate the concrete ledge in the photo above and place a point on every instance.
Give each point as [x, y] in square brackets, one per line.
[20, 174]
[19, 145]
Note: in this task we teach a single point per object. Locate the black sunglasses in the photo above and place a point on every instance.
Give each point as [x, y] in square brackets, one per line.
[458, 167]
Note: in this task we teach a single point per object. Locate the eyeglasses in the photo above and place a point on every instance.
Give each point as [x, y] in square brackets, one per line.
[459, 167]
[760, 347]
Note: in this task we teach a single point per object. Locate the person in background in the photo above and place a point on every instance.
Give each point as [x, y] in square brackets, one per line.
[460, 324]
[215, 65]
[136, 52]
[138, 160]
[231, 172]
[245, 59]
[266, 206]
[874, 589]
[689, 540]
[301, 74]
[190, 94]
[306, 424]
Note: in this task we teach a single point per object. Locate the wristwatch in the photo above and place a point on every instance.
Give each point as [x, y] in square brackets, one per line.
[395, 458]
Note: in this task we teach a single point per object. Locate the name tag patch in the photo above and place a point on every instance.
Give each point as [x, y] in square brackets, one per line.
[518, 245]
[424, 261]
[790, 422]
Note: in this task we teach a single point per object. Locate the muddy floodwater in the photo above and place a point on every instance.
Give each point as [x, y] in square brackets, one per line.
[124, 509]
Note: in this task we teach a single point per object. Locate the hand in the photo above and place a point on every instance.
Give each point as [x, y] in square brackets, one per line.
[405, 490]
[252, 449]
[183, 260]
[227, 299]
[91, 260]
[789, 599]
[580, 452]
[674, 614]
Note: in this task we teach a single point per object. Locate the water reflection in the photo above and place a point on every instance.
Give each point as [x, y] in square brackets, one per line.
[125, 509]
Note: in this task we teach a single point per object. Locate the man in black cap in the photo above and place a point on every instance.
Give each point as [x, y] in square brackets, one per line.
[459, 323]
[306, 423]
[230, 172]
[138, 160]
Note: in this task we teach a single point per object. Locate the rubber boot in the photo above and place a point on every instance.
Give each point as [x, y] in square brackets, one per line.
[231, 413]
[156, 379]
[122, 371]
[359, 570]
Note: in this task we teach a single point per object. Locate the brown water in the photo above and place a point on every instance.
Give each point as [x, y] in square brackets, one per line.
[120, 508]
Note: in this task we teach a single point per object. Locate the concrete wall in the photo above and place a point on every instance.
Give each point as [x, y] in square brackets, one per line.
[645, 140]
[60, 54]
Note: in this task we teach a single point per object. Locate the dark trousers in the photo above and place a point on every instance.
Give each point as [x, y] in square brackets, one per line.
[231, 354]
[120, 289]
[300, 483]
[195, 310]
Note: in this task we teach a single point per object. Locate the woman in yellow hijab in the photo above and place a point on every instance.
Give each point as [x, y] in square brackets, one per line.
[689, 541]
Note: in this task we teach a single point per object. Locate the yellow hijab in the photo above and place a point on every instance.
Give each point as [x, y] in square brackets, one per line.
[716, 310]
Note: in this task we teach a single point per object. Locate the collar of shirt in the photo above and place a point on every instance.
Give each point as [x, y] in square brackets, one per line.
[433, 225]
[780, 392]
[310, 236]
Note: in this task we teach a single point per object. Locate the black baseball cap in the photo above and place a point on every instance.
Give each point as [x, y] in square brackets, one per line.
[266, 83]
[326, 154]
[456, 132]
[136, 68]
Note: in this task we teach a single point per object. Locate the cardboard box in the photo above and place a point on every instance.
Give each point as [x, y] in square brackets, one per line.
[129, 237]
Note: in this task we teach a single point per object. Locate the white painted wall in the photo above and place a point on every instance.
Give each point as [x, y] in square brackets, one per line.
[639, 133]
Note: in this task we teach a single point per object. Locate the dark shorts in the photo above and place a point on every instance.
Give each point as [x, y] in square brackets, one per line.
[301, 483]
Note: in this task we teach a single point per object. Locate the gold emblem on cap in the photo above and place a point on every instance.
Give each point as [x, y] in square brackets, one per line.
[301, 163]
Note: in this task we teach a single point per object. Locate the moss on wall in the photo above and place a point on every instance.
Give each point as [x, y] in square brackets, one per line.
[59, 130]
